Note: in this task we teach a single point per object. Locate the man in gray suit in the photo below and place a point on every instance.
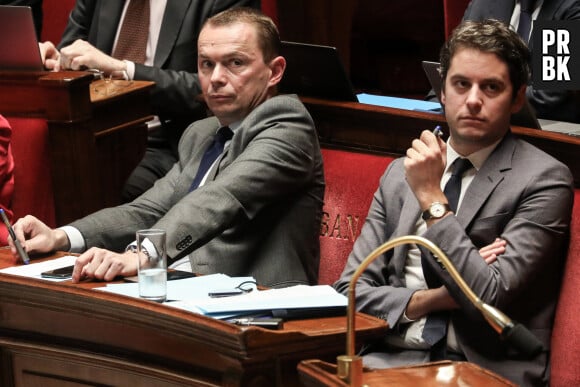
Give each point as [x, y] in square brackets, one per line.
[512, 191]
[258, 209]
[90, 40]
[549, 104]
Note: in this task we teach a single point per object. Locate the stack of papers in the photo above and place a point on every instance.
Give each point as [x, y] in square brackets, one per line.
[299, 300]
[187, 288]
[192, 294]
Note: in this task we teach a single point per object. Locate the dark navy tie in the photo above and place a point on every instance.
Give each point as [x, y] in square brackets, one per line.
[211, 154]
[453, 186]
[436, 325]
[525, 24]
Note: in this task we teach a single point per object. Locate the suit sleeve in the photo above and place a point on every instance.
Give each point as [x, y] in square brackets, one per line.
[79, 23]
[380, 291]
[536, 234]
[276, 160]
[177, 86]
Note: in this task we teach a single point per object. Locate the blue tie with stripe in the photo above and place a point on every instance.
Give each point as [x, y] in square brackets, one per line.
[211, 154]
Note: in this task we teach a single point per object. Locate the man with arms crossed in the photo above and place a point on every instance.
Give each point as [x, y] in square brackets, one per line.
[258, 212]
[512, 191]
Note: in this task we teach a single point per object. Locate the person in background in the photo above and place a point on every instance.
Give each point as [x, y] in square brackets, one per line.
[549, 104]
[35, 5]
[464, 194]
[94, 39]
[256, 211]
[6, 175]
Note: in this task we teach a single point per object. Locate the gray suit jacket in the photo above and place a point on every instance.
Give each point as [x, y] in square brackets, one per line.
[549, 104]
[175, 64]
[259, 212]
[521, 195]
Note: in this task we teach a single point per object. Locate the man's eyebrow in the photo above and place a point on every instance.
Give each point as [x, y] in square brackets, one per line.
[484, 80]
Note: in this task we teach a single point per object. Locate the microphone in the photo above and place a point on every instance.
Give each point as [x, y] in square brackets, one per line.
[349, 366]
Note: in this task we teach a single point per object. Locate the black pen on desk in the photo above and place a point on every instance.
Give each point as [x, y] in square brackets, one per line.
[19, 248]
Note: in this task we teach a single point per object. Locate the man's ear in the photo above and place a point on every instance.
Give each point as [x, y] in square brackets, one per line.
[519, 99]
[277, 67]
[442, 98]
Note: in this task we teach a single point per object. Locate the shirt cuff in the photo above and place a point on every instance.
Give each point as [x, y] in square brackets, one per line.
[147, 247]
[75, 238]
[130, 69]
[132, 247]
[405, 320]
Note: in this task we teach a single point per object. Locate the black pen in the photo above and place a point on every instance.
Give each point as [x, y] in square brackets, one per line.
[268, 323]
[19, 248]
[437, 131]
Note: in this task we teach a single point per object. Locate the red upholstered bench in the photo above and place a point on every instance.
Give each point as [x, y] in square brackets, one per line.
[565, 355]
[55, 18]
[351, 181]
[32, 173]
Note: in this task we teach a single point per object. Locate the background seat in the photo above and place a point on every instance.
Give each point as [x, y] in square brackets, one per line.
[565, 351]
[351, 181]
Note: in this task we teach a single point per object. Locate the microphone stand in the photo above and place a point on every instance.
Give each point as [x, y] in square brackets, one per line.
[350, 367]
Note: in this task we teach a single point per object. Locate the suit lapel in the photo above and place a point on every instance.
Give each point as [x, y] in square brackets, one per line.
[502, 10]
[486, 179]
[108, 23]
[172, 20]
[548, 10]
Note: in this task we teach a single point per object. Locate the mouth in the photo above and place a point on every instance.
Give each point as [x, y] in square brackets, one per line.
[219, 97]
[472, 120]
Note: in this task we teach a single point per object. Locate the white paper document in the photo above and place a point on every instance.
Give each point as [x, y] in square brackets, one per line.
[187, 288]
[33, 270]
[299, 297]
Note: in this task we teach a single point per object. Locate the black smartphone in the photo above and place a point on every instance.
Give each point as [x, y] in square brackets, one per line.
[63, 272]
[225, 293]
[179, 274]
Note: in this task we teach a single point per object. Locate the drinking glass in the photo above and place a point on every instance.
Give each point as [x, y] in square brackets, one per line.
[152, 264]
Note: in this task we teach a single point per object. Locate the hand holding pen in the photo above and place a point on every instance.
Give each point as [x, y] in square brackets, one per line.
[438, 132]
[17, 244]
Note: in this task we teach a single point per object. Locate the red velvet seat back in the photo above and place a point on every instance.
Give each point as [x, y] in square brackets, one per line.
[32, 173]
[351, 181]
[55, 15]
[453, 13]
[6, 175]
[270, 8]
[565, 356]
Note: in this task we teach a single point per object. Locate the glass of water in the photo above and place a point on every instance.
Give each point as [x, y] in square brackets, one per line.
[152, 266]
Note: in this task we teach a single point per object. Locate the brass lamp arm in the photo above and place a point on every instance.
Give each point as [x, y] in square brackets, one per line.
[350, 366]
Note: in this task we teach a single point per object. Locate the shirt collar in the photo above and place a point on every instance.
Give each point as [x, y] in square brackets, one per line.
[477, 158]
[233, 126]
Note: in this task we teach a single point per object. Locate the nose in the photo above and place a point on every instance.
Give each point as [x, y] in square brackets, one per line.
[218, 74]
[474, 98]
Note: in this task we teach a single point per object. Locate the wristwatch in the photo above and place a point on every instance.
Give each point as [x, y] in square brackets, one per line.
[436, 210]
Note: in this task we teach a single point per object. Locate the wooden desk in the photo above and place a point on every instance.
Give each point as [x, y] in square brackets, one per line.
[315, 373]
[95, 140]
[55, 334]
[352, 125]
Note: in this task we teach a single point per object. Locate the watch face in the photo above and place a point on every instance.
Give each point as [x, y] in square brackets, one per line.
[437, 210]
